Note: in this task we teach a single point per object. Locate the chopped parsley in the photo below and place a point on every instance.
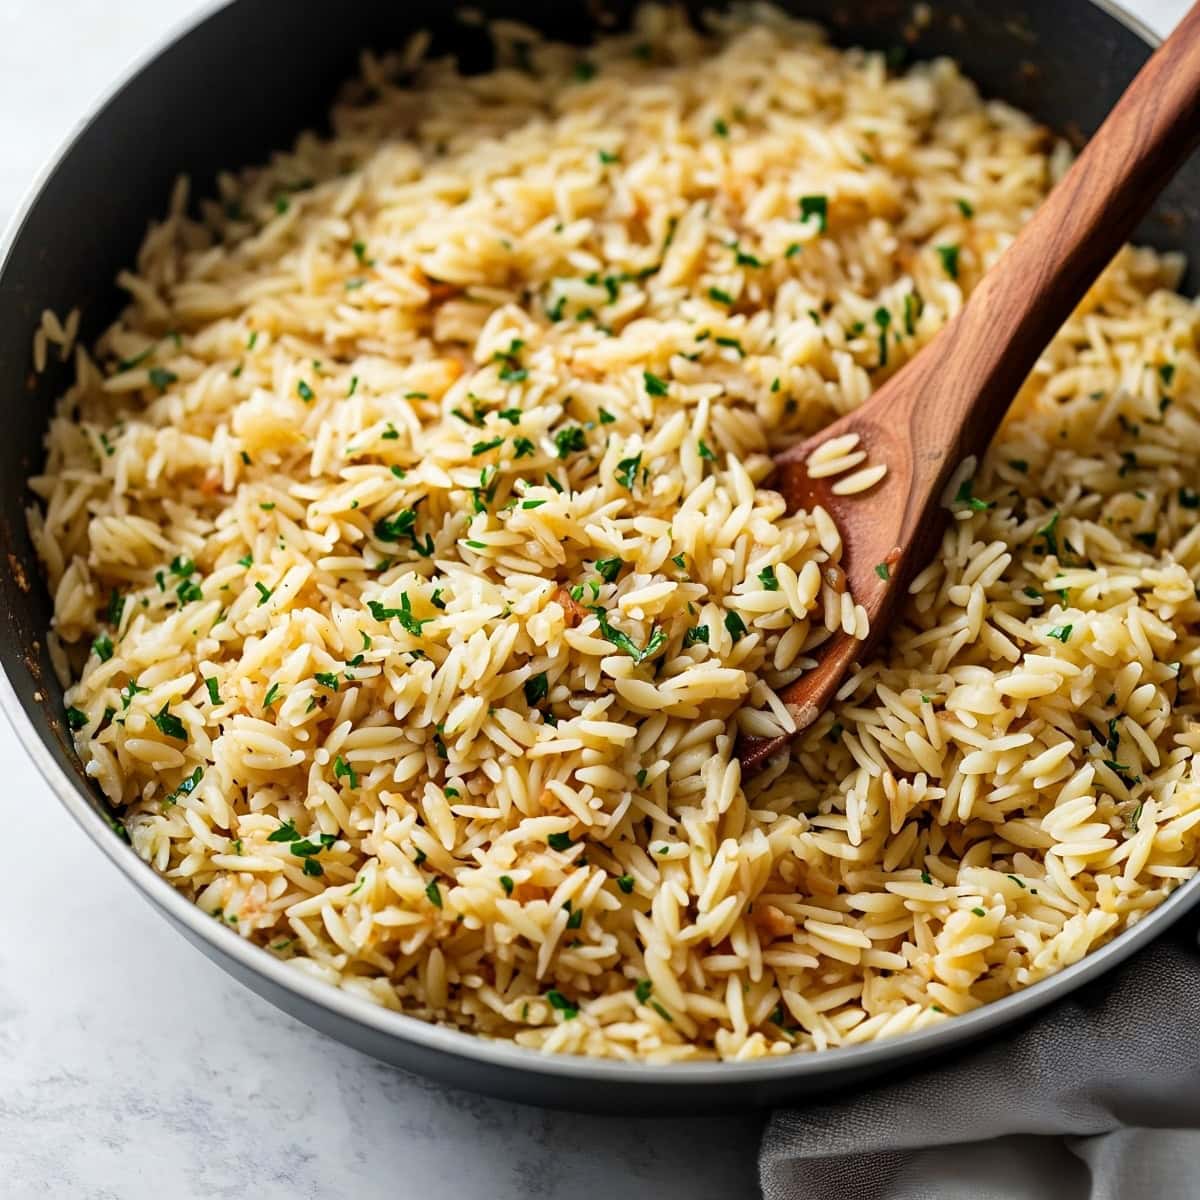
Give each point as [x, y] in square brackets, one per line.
[271, 696]
[403, 525]
[161, 378]
[697, 633]
[185, 788]
[625, 883]
[343, 770]
[768, 579]
[883, 570]
[627, 470]
[507, 884]
[76, 719]
[523, 448]
[625, 643]
[735, 625]
[720, 296]
[883, 319]
[214, 690]
[264, 592]
[169, 725]
[704, 450]
[642, 990]
[327, 679]
[913, 307]
[559, 1002]
[815, 206]
[949, 257]
[965, 496]
[483, 447]
[103, 646]
[434, 893]
[537, 688]
[720, 128]
[964, 207]
[305, 392]
[1048, 535]
[1061, 633]
[570, 440]
[403, 614]
[654, 385]
[608, 568]
[559, 841]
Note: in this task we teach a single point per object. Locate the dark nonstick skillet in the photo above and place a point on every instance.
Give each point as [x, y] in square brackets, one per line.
[243, 81]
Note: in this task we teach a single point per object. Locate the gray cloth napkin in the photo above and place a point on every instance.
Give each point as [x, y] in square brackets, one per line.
[1097, 1100]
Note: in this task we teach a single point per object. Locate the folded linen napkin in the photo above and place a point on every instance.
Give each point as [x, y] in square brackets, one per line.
[1099, 1099]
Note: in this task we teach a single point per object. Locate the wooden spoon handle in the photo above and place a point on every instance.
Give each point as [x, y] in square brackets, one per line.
[974, 368]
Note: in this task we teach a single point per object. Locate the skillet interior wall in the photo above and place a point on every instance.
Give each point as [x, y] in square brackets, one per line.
[248, 79]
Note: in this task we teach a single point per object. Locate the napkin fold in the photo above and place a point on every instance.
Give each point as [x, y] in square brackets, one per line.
[1099, 1099]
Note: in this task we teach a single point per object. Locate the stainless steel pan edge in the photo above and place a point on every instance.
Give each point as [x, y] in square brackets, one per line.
[32, 702]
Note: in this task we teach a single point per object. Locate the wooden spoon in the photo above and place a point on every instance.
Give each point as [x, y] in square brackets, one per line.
[946, 403]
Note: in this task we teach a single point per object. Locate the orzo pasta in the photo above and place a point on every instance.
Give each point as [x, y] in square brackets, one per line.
[410, 559]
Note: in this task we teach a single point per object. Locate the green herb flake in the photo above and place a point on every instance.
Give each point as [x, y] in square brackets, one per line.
[654, 385]
[77, 719]
[570, 440]
[507, 884]
[979, 912]
[185, 788]
[561, 1004]
[815, 206]
[625, 643]
[949, 259]
[559, 841]
[103, 647]
[434, 893]
[214, 690]
[343, 770]
[609, 568]
[721, 297]
[271, 696]
[537, 688]
[697, 634]
[264, 592]
[720, 128]
[169, 725]
[642, 990]
[161, 378]
[627, 470]
[625, 883]
[964, 207]
[705, 451]
[1061, 633]
[735, 625]
[305, 392]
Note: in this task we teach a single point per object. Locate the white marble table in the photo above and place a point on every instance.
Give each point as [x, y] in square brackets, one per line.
[130, 1066]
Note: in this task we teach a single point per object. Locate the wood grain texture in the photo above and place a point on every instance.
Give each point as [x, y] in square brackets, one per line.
[946, 403]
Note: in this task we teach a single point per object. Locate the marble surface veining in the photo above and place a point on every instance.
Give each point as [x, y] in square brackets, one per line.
[132, 1067]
